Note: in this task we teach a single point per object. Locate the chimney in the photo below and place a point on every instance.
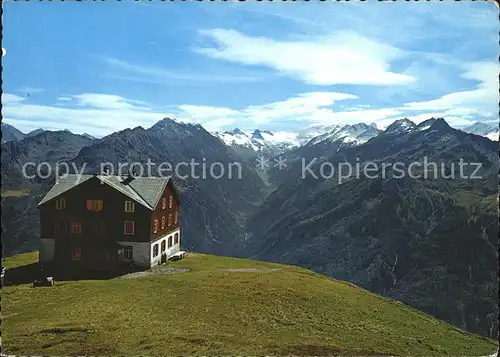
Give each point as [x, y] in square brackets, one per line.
[128, 179]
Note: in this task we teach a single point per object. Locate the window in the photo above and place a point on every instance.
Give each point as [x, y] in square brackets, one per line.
[163, 222]
[170, 198]
[155, 226]
[128, 252]
[163, 246]
[169, 220]
[61, 203]
[163, 203]
[176, 217]
[76, 253]
[155, 250]
[169, 241]
[76, 228]
[129, 227]
[129, 206]
[176, 238]
[94, 205]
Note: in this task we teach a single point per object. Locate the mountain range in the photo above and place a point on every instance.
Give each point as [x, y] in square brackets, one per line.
[10, 133]
[432, 243]
[266, 141]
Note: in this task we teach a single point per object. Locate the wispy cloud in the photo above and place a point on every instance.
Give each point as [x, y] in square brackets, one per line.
[158, 75]
[29, 90]
[342, 58]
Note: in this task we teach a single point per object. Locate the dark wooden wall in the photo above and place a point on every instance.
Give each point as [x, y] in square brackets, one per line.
[100, 230]
[158, 213]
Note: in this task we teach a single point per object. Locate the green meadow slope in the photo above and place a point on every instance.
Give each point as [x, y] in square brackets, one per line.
[221, 306]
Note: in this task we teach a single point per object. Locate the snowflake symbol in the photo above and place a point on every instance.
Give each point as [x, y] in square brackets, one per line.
[280, 163]
[262, 162]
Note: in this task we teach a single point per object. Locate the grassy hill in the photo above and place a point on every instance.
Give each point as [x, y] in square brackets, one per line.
[212, 305]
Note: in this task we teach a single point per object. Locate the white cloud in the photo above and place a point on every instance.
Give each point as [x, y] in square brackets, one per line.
[8, 98]
[304, 107]
[100, 114]
[212, 118]
[300, 107]
[341, 58]
[481, 101]
[93, 113]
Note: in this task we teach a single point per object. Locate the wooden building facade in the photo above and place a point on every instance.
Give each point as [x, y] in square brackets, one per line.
[100, 222]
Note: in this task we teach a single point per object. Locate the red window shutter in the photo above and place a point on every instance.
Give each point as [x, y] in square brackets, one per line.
[129, 227]
[89, 205]
[77, 252]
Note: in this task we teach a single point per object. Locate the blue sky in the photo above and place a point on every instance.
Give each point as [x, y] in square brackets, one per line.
[102, 67]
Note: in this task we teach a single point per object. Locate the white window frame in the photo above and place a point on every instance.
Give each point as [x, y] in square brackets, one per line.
[60, 203]
[129, 206]
[155, 225]
[130, 249]
[125, 228]
[170, 201]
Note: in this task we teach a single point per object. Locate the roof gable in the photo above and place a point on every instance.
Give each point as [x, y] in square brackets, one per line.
[146, 191]
[150, 188]
[64, 184]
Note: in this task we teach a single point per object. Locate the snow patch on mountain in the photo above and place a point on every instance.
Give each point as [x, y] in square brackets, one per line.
[489, 130]
[259, 139]
[401, 126]
[356, 134]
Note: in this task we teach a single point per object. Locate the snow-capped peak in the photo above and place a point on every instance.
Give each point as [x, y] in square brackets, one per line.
[257, 135]
[401, 125]
[489, 130]
[236, 131]
[355, 134]
[258, 139]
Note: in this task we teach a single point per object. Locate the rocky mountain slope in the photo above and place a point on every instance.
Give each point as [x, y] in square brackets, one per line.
[10, 133]
[432, 243]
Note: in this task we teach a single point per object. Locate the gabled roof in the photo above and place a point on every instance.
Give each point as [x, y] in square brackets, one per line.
[146, 191]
